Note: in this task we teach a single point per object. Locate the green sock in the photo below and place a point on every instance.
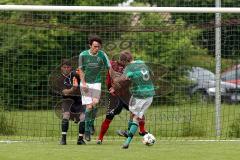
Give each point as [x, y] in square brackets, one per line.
[91, 122]
[132, 131]
[129, 124]
[94, 113]
[93, 116]
[87, 119]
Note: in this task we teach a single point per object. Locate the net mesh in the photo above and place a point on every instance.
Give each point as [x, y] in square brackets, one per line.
[32, 45]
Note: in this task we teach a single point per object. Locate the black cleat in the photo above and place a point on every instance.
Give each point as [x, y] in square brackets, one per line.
[87, 136]
[125, 146]
[80, 142]
[123, 133]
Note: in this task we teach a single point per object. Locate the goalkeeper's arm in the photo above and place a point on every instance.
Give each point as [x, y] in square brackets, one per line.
[73, 89]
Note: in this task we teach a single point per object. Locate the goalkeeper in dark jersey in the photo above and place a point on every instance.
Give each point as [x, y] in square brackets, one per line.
[142, 90]
[68, 85]
[119, 98]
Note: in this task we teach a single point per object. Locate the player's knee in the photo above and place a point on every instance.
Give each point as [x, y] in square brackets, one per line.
[135, 119]
[89, 107]
[95, 101]
[66, 115]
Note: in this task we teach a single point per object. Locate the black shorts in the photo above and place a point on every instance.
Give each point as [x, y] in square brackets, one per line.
[116, 105]
[74, 106]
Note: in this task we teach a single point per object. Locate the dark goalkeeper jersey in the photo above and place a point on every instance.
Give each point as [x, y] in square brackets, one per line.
[66, 82]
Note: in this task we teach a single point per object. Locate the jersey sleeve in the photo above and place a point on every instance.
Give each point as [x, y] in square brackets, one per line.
[106, 60]
[80, 60]
[127, 71]
[74, 74]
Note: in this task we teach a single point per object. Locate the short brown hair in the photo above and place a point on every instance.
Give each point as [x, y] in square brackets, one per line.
[126, 56]
[65, 62]
[93, 38]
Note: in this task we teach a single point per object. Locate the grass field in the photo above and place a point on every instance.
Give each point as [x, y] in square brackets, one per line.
[180, 132]
[190, 120]
[111, 150]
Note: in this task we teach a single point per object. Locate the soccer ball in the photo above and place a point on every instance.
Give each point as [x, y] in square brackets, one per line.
[148, 139]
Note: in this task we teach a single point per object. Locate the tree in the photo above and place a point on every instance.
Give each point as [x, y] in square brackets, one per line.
[155, 38]
[230, 29]
[33, 43]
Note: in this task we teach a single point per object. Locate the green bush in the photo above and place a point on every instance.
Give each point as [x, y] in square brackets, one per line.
[235, 128]
[7, 126]
[192, 130]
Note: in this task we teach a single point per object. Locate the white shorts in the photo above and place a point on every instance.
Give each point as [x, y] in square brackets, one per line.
[92, 95]
[139, 106]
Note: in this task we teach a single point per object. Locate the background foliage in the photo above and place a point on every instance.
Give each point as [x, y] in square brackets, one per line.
[33, 43]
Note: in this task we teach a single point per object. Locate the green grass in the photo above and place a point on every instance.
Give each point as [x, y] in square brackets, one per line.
[186, 150]
[196, 121]
[37, 133]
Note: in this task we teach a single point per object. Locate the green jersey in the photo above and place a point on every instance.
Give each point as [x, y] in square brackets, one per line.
[140, 75]
[92, 65]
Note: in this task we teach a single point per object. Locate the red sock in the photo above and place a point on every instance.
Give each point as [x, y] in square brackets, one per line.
[142, 125]
[104, 128]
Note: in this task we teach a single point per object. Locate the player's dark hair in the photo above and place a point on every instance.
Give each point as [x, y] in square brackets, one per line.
[126, 56]
[65, 62]
[93, 38]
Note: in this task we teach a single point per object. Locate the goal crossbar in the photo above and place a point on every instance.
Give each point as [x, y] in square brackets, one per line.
[118, 9]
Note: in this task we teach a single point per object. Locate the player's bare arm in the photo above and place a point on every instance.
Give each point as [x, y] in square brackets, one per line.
[82, 78]
[120, 82]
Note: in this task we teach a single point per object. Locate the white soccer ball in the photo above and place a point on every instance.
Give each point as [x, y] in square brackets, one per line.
[148, 139]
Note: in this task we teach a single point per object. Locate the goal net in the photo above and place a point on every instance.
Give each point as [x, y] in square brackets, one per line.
[179, 46]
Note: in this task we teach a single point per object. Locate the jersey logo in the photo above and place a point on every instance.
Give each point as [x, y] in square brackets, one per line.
[145, 74]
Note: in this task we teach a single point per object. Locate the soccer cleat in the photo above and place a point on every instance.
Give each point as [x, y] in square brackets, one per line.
[143, 133]
[87, 136]
[63, 141]
[123, 133]
[99, 141]
[125, 146]
[80, 142]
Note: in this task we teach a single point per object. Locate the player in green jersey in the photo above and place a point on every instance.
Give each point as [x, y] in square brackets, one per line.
[142, 90]
[91, 63]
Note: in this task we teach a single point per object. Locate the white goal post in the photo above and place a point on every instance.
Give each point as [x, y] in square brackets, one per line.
[119, 9]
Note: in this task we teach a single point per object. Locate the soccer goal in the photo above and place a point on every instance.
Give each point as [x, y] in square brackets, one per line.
[193, 54]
